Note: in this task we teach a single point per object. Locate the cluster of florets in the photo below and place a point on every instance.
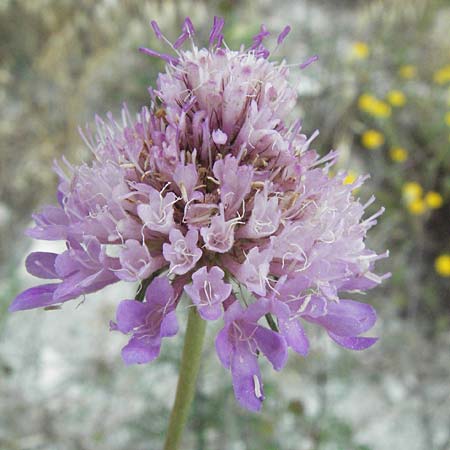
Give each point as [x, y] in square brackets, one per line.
[211, 193]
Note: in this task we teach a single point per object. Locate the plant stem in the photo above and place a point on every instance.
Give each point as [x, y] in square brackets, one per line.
[140, 294]
[190, 364]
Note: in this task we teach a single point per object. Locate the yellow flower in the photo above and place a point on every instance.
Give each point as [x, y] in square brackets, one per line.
[351, 177]
[412, 191]
[365, 101]
[434, 200]
[442, 75]
[372, 139]
[407, 72]
[442, 265]
[417, 207]
[373, 106]
[447, 119]
[360, 50]
[381, 109]
[398, 154]
[396, 98]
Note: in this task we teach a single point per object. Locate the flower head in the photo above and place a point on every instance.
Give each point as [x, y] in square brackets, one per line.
[433, 200]
[407, 71]
[442, 75]
[398, 154]
[371, 105]
[372, 139]
[212, 192]
[360, 50]
[442, 265]
[396, 98]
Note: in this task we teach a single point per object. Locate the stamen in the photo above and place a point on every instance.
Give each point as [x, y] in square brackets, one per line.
[169, 59]
[156, 29]
[309, 61]
[281, 37]
[257, 386]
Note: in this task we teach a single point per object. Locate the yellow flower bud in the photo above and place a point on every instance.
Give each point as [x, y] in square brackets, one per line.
[442, 265]
[407, 71]
[398, 154]
[442, 75]
[412, 191]
[417, 207]
[371, 105]
[434, 200]
[372, 139]
[447, 119]
[396, 98]
[360, 50]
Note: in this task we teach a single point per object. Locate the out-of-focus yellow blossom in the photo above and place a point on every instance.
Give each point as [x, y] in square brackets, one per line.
[360, 50]
[442, 75]
[398, 154]
[417, 207]
[447, 118]
[412, 191]
[351, 177]
[434, 200]
[370, 104]
[407, 71]
[396, 98]
[372, 139]
[442, 265]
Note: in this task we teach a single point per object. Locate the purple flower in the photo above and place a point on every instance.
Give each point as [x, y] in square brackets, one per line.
[345, 321]
[157, 214]
[182, 253]
[253, 272]
[265, 217]
[238, 344]
[208, 291]
[136, 262]
[219, 235]
[235, 183]
[186, 177]
[212, 179]
[148, 322]
[82, 269]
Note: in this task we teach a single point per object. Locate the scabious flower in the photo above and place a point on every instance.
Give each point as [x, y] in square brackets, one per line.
[210, 191]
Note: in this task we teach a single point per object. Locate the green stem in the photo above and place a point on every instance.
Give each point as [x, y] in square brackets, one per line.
[271, 322]
[190, 364]
[140, 294]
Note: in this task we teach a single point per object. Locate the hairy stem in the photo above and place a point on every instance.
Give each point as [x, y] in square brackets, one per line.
[190, 364]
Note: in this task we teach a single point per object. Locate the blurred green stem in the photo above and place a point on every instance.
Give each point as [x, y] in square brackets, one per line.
[190, 364]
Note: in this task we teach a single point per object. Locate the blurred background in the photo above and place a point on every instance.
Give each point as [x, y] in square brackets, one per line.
[380, 93]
